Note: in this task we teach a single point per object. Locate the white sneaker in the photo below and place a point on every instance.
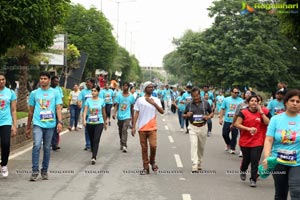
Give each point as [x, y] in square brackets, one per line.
[4, 171]
[227, 147]
[124, 149]
[232, 151]
[181, 130]
[194, 168]
[241, 154]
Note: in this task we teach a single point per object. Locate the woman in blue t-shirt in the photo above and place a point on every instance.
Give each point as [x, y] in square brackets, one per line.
[283, 142]
[8, 121]
[94, 118]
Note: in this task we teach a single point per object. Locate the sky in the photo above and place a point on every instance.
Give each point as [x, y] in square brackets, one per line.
[146, 28]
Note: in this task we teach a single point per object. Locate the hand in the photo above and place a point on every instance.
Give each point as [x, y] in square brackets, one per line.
[59, 127]
[28, 132]
[221, 121]
[150, 100]
[114, 116]
[13, 131]
[133, 131]
[252, 130]
[265, 163]
[189, 114]
[205, 117]
[259, 108]
[84, 123]
[105, 126]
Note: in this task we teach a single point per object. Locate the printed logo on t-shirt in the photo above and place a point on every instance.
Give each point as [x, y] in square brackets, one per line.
[288, 136]
[2, 104]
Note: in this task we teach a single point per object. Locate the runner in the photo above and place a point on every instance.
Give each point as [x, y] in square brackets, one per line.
[108, 95]
[187, 98]
[180, 105]
[276, 106]
[145, 114]
[8, 122]
[209, 122]
[73, 107]
[219, 101]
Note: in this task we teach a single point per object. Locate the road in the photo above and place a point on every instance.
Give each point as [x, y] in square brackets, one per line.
[115, 175]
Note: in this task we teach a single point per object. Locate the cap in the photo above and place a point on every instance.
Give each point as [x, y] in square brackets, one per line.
[146, 84]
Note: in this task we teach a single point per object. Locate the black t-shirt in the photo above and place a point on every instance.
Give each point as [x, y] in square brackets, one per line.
[203, 108]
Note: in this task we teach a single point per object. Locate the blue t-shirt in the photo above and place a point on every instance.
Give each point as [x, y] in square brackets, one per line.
[219, 100]
[44, 103]
[94, 112]
[124, 106]
[167, 94]
[286, 133]
[59, 91]
[107, 95]
[210, 95]
[155, 93]
[84, 95]
[276, 107]
[180, 104]
[187, 97]
[229, 105]
[6, 97]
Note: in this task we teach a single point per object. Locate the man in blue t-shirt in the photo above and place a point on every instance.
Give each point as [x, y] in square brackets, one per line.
[276, 106]
[228, 108]
[124, 111]
[45, 116]
[55, 85]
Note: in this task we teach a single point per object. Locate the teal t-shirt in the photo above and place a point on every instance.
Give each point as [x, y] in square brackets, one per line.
[44, 103]
[210, 95]
[124, 106]
[180, 103]
[219, 100]
[286, 133]
[107, 95]
[229, 105]
[84, 95]
[6, 97]
[167, 94]
[276, 107]
[187, 97]
[94, 112]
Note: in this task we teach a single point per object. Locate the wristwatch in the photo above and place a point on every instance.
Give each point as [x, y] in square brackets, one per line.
[61, 122]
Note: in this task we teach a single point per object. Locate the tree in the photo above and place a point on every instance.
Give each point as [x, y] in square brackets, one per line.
[72, 61]
[27, 26]
[91, 32]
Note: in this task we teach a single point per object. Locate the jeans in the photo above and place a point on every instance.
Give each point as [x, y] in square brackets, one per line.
[55, 137]
[286, 178]
[41, 135]
[146, 136]
[5, 143]
[87, 139]
[75, 112]
[95, 132]
[251, 155]
[234, 133]
[209, 125]
[108, 110]
[198, 139]
[181, 119]
[123, 127]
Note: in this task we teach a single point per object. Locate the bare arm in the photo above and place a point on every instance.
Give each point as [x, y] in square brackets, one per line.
[104, 117]
[13, 109]
[221, 115]
[29, 121]
[267, 150]
[84, 116]
[59, 117]
[135, 117]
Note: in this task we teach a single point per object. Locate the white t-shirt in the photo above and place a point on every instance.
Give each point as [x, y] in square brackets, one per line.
[147, 114]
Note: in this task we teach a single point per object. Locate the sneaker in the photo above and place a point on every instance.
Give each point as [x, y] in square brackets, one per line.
[86, 148]
[232, 151]
[93, 161]
[124, 149]
[121, 147]
[194, 168]
[109, 123]
[79, 126]
[252, 183]
[70, 128]
[241, 154]
[208, 134]
[227, 147]
[44, 175]
[34, 176]
[187, 131]
[144, 172]
[243, 176]
[4, 171]
[181, 130]
[199, 167]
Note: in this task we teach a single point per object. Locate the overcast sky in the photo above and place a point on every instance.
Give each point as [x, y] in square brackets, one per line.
[147, 27]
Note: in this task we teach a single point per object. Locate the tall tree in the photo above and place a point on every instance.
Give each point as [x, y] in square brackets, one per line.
[91, 32]
[28, 26]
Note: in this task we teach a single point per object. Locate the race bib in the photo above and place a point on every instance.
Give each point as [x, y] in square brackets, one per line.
[198, 119]
[278, 111]
[88, 96]
[107, 99]
[188, 99]
[93, 118]
[287, 156]
[230, 114]
[46, 116]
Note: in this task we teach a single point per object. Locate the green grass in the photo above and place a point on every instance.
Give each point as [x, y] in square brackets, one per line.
[21, 115]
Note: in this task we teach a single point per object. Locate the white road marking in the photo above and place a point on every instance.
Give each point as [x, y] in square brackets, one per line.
[174, 147]
[182, 179]
[28, 149]
[186, 197]
[178, 160]
[171, 139]
[166, 127]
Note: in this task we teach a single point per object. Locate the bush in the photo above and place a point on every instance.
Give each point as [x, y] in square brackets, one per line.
[21, 115]
[66, 93]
